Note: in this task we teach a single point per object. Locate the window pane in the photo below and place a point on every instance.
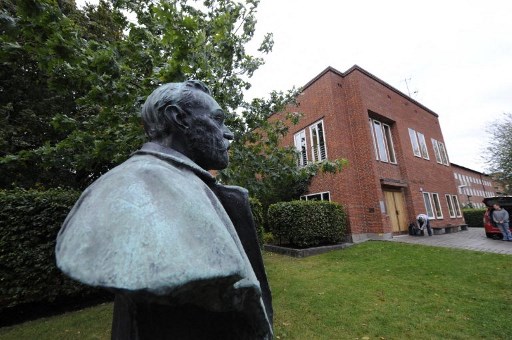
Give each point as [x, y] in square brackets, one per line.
[456, 205]
[414, 143]
[373, 138]
[300, 145]
[314, 143]
[442, 151]
[321, 142]
[389, 143]
[423, 146]
[381, 144]
[318, 148]
[437, 205]
[450, 206]
[428, 205]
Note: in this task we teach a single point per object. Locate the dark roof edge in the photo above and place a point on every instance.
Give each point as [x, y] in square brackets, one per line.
[368, 74]
[466, 168]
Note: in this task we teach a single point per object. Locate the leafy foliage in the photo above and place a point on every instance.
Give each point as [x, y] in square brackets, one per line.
[72, 80]
[307, 223]
[474, 217]
[259, 219]
[499, 152]
[29, 223]
[258, 162]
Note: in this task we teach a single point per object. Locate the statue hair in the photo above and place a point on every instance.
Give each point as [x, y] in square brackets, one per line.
[183, 95]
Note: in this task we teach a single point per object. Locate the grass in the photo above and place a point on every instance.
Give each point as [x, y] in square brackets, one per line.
[374, 290]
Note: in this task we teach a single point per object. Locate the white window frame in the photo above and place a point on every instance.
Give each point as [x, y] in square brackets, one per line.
[302, 148]
[317, 141]
[389, 143]
[382, 141]
[414, 143]
[451, 209]
[423, 146]
[427, 199]
[443, 156]
[456, 205]
[437, 153]
[322, 194]
[436, 203]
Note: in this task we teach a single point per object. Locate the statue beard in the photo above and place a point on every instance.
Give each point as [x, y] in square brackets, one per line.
[208, 149]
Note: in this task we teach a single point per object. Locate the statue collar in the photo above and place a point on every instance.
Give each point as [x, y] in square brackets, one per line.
[172, 156]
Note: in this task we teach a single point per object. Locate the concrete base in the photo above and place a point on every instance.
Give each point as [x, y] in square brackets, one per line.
[304, 252]
[358, 238]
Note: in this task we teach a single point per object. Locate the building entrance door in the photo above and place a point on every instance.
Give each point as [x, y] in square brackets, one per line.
[395, 207]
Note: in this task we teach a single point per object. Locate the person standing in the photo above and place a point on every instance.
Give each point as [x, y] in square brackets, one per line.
[501, 218]
[423, 223]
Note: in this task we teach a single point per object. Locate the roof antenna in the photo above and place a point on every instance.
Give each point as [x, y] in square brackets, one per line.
[407, 85]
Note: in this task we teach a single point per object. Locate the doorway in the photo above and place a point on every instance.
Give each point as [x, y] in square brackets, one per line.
[395, 208]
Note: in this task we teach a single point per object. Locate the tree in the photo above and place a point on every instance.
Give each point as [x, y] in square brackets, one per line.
[258, 162]
[73, 80]
[499, 152]
[91, 69]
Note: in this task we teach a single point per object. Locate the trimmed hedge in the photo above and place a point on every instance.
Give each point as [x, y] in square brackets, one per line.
[474, 217]
[307, 223]
[29, 223]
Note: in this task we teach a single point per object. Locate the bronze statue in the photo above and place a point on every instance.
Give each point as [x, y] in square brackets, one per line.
[179, 250]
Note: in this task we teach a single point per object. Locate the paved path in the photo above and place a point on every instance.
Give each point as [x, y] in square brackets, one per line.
[472, 239]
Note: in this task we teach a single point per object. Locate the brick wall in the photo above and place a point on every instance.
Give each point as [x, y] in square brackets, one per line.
[345, 102]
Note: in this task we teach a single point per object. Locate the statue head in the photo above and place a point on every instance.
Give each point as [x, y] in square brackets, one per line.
[185, 117]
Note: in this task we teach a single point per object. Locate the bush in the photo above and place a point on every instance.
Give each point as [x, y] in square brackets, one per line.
[29, 223]
[474, 217]
[307, 223]
[257, 214]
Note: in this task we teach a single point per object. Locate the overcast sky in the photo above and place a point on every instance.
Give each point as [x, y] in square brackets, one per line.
[457, 55]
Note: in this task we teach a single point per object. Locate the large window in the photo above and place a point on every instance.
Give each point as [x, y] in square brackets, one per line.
[321, 196]
[419, 146]
[451, 209]
[437, 206]
[301, 146]
[318, 149]
[382, 141]
[433, 205]
[414, 142]
[456, 205]
[428, 205]
[440, 152]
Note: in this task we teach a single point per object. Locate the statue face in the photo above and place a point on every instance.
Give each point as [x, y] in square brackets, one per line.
[207, 136]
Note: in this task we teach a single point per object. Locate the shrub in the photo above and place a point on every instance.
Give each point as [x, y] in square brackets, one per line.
[307, 223]
[29, 223]
[474, 217]
[257, 214]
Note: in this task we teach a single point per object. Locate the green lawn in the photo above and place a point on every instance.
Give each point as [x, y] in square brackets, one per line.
[374, 290]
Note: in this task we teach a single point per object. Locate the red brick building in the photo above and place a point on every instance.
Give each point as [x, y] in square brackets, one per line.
[398, 164]
[473, 186]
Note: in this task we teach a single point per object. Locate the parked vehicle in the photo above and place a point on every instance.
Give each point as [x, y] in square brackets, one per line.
[491, 230]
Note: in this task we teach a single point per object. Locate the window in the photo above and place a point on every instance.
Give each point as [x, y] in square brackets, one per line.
[451, 210]
[301, 146]
[414, 143]
[382, 141]
[318, 150]
[423, 146]
[428, 205]
[440, 152]
[437, 206]
[322, 196]
[456, 206]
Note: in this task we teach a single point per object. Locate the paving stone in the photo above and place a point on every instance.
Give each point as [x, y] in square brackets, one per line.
[472, 239]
